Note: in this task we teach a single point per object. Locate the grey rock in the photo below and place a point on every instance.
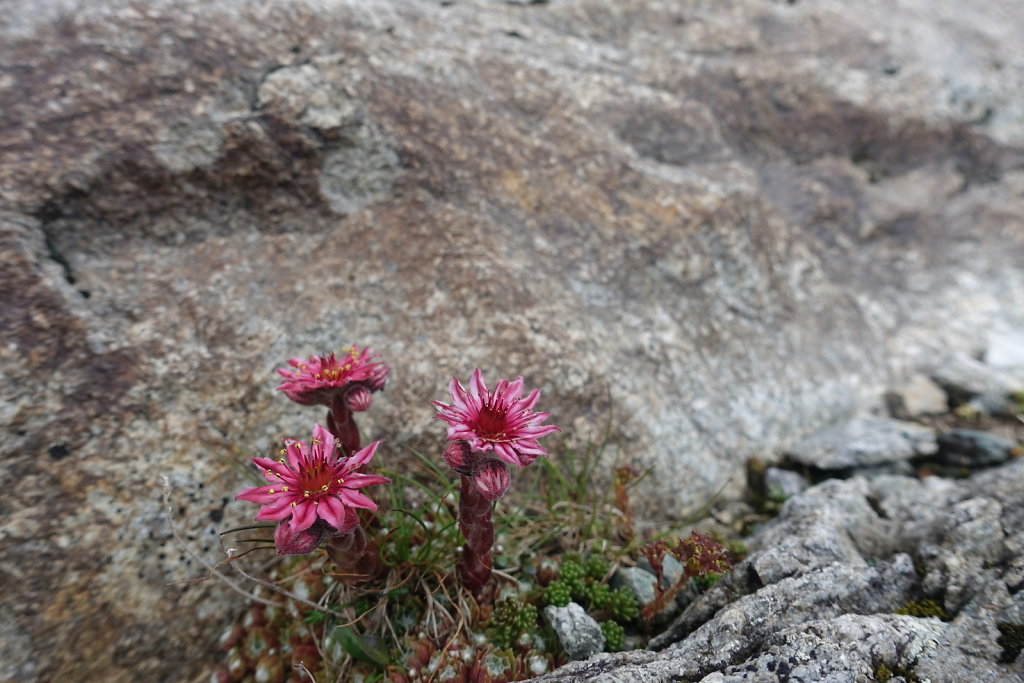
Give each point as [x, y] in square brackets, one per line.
[967, 379]
[774, 619]
[580, 635]
[864, 441]
[918, 396]
[671, 570]
[638, 581]
[847, 648]
[742, 627]
[1005, 350]
[973, 448]
[743, 218]
[781, 484]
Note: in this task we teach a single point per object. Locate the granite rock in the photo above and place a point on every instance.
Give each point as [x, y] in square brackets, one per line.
[781, 484]
[918, 396]
[973, 448]
[725, 224]
[580, 635]
[864, 441]
[967, 379]
[894, 541]
[637, 581]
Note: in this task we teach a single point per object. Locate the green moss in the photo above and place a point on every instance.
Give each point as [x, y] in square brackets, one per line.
[923, 608]
[511, 619]
[596, 594]
[883, 674]
[614, 636]
[707, 581]
[597, 567]
[558, 594]
[622, 605]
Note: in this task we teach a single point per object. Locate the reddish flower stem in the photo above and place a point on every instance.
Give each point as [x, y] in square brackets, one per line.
[341, 423]
[357, 556]
[477, 527]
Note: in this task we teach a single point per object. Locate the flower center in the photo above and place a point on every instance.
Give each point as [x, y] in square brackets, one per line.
[316, 481]
[491, 423]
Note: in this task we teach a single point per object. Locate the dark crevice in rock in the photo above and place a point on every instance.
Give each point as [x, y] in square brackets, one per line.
[1011, 639]
[876, 505]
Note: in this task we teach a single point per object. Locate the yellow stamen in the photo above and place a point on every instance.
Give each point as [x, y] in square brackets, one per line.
[270, 490]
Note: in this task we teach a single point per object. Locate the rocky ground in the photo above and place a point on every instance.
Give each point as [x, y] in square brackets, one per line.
[726, 223]
[905, 562]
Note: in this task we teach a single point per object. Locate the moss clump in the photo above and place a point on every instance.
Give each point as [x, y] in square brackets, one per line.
[557, 594]
[597, 567]
[614, 636]
[707, 581]
[622, 605]
[923, 608]
[883, 674]
[596, 594]
[511, 619]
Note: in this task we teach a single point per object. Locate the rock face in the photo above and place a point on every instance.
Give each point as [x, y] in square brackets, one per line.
[853, 580]
[864, 441]
[734, 219]
[579, 634]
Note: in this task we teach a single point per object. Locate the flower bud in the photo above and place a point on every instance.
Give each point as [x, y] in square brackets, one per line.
[358, 398]
[291, 543]
[458, 457]
[493, 479]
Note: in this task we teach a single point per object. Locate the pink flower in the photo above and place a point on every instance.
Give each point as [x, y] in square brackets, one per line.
[502, 422]
[313, 483]
[321, 378]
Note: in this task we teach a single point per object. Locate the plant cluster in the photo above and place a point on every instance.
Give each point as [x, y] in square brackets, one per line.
[422, 581]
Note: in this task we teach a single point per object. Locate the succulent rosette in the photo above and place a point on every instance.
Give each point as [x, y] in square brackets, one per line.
[313, 490]
[490, 430]
[353, 376]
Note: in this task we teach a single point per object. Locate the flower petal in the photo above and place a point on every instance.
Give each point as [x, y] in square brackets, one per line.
[325, 440]
[530, 446]
[274, 512]
[505, 452]
[527, 403]
[303, 516]
[278, 468]
[356, 499]
[536, 431]
[363, 455]
[332, 511]
[263, 495]
[295, 451]
[477, 383]
[358, 481]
